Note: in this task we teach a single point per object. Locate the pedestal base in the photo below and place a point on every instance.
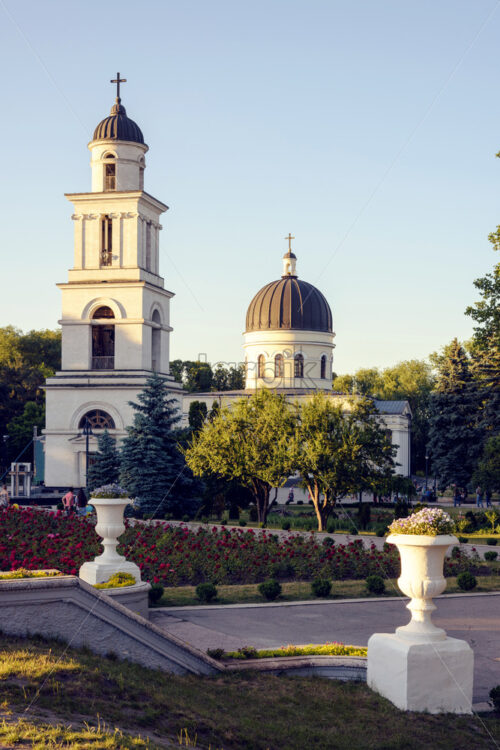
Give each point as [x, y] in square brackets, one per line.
[133, 597]
[99, 572]
[435, 677]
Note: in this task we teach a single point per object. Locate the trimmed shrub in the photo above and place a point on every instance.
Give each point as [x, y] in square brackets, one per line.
[206, 592]
[492, 542]
[375, 584]
[495, 697]
[155, 593]
[270, 590]
[321, 587]
[463, 539]
[286, 525]
[253, 514]
[490, 555]
[328, 541]
[381, 531]
[242, 522]
[215, 653]
[330, 525]
[185, 518]
[466, 581]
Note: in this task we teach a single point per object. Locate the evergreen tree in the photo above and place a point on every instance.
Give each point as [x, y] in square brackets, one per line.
[152, 468]
[106, 466]
[456, 435]
[197, 414]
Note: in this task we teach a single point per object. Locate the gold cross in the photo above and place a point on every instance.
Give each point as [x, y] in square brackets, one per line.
[118, 80]
[289, 238]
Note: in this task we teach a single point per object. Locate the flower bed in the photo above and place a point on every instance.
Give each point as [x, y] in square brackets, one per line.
[312, 649]
[177, 555]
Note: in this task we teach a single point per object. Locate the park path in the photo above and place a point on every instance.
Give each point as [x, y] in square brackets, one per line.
[474, 618]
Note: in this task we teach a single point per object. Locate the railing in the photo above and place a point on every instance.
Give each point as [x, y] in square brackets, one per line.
[103, 363]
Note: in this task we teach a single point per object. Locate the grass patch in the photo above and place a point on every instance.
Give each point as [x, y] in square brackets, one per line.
[41, 736]
[185, 596]
[236, 711]
[326, 649]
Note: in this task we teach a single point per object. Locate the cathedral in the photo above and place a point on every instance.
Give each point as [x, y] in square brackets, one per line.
[116, 318]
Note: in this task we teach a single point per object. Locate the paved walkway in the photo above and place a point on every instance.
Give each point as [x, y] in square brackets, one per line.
[473, 617]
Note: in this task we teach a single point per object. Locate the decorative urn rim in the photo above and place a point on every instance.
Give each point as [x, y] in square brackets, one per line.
[422, 540]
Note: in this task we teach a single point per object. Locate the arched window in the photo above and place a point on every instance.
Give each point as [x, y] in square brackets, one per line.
[103, 340]
[156, 343]
[323, 367]
[98, 419]
[261, 366]
[299, 366]
[141, 173]
[109, 173]
[279, 367]
[106, 240]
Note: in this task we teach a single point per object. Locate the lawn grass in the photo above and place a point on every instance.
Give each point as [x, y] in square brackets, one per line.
[15, 733]
[185, 596]
[234, 711]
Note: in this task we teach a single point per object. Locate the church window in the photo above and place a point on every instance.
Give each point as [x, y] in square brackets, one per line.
[148, 246]
[261, 366]
[299, 366]
[99, 420]
[323, 367]
[106, 240]
[103, 340]
[109, 173]
[156, 343]
[279, 368]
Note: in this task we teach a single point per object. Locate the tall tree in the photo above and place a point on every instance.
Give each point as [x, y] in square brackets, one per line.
[248, 443]
[339, 450]
[197, 415]
[455, 436]
[105, 468]
[152, 467]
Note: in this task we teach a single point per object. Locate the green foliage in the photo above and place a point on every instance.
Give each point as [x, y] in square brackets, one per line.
[463, 539]
[206, 592]
[375, 584]
[285, 525]
[466, 581]
[26, 360]
[495, 697]
[321, 587]
[339, 452]
[106, 466]
[152, 467]
[197, 377]
[248, 444]
[487, 474]
[215, 653]
[490, 555]
[155, 593]
[270, 590]
[456, 435]
[197, 414]
[117, 581]
[492, 542]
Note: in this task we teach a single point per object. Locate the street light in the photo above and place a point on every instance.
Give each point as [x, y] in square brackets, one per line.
[426, 468]
[87, 431]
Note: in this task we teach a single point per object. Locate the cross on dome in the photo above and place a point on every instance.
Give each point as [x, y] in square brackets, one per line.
[118, 80]
[289, 238]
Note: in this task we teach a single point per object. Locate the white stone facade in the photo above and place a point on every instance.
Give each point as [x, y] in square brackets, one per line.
[115, 310]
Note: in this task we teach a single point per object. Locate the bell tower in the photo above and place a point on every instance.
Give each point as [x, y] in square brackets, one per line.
[115, 309]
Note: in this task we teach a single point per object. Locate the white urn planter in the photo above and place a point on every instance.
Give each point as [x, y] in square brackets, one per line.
[109, 526]
[419, 668]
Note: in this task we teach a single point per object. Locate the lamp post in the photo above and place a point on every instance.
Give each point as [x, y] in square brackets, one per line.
[426, 468]
[87, 431]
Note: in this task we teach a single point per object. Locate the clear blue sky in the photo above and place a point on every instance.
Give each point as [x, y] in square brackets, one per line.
[366, 128]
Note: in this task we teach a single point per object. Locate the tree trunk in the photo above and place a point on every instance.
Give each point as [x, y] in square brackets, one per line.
[262, 501]
[320, 510]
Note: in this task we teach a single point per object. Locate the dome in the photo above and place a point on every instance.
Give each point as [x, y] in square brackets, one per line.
[289, 304]
[118, 127]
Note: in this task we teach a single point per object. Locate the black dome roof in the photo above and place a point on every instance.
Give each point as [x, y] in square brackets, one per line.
[289, 304]
[118, 127]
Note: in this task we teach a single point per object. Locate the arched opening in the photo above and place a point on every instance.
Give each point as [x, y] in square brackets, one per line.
[323, 367]
[103, 340]
[156, 343]
[279, 366]
[98, 419]
[141, 173]
[148, 246]
[299, 365]
[109, 173]
[261, 366]
[106, 240]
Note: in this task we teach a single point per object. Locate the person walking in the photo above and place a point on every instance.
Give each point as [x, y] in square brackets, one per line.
[81, 502]
[4, 497]
[487, 497]
[68, 501]
[479, 497]
[457, 496]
